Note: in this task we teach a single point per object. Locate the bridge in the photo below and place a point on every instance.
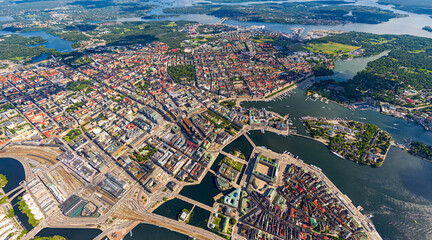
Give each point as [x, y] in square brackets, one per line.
[196, 203]
[221, 21]
[13, 190]
[249, 140]
[304, 136]
[131, 210]
[16, 192]
[234, 157]
[9, 200]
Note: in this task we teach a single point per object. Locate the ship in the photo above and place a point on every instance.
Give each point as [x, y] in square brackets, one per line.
[262, 27]
[337, 154]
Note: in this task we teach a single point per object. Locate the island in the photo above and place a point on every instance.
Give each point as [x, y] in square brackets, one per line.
[314, 12]
[420, 149]
[359, 142]
[427, 28]
[3, 181]
[415, 6]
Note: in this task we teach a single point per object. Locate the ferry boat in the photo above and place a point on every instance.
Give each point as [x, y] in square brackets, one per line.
[337, 154]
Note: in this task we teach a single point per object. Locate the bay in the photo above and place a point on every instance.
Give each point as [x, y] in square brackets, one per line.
[53, 42]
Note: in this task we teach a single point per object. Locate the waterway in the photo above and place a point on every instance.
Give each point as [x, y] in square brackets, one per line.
[53, 42]
[412, 24]
[398, 194]
[14, 172]
[203, 192]
[172, 208]
[6, 18]
[152, 232]
[70, 233]
[348, 68]
[297, 106]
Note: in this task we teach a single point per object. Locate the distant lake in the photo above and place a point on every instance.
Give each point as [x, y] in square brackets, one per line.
[5, 18]
[53, 42]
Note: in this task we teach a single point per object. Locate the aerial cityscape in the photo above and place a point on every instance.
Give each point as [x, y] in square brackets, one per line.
[217, 119]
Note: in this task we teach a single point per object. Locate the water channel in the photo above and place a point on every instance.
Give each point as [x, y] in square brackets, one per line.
[346, 69]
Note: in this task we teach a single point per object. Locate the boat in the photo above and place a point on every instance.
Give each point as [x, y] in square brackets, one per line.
[130, 233]
[363, 118]
[337, 154]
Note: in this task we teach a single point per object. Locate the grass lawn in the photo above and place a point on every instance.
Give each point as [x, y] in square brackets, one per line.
[417, 51]
[171, 24]
[236, 165]
[381, 41]
[331, 48]
[217, 221]
[263, 40]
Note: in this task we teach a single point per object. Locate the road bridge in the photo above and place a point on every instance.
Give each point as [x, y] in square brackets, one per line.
[32, 233]
[131, 210]
[13, 190]
[196, 203]
[249, 140]
[9, 200]
[234, 157]
[303, 136]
